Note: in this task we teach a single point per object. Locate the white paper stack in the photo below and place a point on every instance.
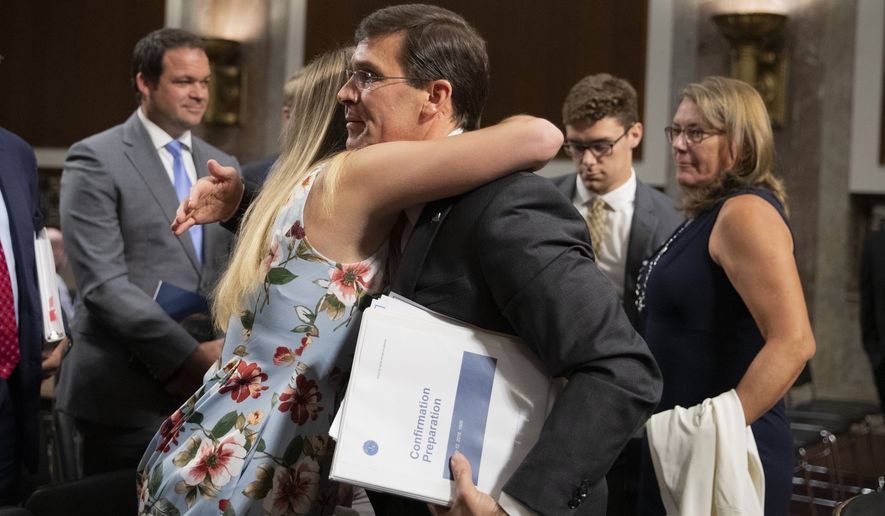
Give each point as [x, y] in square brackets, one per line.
[53, 324]
[424, 386]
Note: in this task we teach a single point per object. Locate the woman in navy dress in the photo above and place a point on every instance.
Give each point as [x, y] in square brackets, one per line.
[722, 299]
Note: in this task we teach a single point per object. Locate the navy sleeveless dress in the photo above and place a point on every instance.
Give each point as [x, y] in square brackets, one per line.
[704, 338]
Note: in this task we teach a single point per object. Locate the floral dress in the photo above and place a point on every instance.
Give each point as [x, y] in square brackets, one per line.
[254, 438]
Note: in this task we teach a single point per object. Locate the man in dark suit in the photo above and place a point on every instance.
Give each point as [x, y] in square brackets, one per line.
[132, 363]
[872, 306]
[21, 324]
[602, 128]
[628, 220]
[511, 256]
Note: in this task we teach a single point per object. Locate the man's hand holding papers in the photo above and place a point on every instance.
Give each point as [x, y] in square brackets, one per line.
[469, 501]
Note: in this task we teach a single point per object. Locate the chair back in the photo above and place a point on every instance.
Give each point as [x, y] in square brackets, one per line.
[869, 504]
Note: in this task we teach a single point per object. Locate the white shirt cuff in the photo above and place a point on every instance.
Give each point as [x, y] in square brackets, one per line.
[512, 507]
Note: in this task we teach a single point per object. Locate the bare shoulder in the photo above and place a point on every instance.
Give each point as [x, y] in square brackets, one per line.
[749, 226]
[747, 212]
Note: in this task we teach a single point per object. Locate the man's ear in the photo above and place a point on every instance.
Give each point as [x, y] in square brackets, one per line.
[439, 99]
[635, 134]
[142, 84]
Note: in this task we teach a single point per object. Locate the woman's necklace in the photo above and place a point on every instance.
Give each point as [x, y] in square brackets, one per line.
[649, 265]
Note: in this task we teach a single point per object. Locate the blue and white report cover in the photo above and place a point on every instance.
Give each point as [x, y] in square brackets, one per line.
[424, 386]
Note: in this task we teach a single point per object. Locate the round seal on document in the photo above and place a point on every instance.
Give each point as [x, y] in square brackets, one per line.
[370, 447]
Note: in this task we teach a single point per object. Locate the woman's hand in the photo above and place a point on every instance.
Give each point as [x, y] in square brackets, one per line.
[469, 501]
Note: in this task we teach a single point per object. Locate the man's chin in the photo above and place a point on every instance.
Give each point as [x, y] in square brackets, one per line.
[357, 142]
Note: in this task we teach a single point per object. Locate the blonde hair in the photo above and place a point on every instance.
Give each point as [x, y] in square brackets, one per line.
[311, 137]
[735, 108]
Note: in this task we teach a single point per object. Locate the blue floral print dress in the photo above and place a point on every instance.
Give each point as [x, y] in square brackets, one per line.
[254, 438]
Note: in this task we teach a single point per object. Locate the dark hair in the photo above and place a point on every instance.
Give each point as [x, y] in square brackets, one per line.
[147, 56]
[438, 44]
[598, 96]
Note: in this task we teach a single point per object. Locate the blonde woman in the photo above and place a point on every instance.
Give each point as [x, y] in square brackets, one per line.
[744, 325]
[312, 248]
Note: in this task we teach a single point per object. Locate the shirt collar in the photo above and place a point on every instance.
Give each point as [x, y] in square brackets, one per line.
[616, 199]
[159, 137]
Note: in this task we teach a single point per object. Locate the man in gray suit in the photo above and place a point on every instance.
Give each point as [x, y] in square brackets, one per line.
[602, 128]
[132, 363]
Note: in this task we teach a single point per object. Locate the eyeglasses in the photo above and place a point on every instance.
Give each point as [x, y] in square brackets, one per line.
[366, 80]
[599, 149]
[692, 134]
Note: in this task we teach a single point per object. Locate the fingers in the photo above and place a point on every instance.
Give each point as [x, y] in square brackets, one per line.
[183, 220]
[221, 172]
[462, 472]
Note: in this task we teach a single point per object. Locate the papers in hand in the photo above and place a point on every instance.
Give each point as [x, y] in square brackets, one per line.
[424, 386]
[189, 309]
[178, 302]
[53, 323]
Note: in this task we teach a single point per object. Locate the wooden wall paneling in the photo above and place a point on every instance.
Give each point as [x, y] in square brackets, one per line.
[538, 50]
[65, 73]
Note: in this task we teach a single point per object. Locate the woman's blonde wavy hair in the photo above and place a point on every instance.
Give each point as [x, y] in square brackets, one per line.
[735, 108]
[315, 132]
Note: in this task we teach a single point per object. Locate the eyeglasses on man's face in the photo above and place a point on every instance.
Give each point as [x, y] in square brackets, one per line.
[692, 134]
[366, 80]
[599, 148]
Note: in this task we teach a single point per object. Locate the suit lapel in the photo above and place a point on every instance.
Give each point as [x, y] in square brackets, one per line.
[141, 153]
[23, 223]
[641, 230]
[418, 246]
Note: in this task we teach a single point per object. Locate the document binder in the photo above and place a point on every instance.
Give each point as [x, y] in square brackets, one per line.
[424, 386]
[53, 323]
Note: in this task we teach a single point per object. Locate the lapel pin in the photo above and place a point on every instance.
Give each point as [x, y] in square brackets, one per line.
[436, 218]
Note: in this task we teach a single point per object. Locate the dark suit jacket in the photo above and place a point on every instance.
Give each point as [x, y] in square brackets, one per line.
[514, 256]
[872, 296]
[18, 184]
[654, 220]
[117, 204]
[255, 172]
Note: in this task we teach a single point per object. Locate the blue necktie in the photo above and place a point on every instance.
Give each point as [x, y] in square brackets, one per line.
[183, 188]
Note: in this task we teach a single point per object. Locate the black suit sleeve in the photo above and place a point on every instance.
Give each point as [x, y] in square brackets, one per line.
[538, 263]
[250, 191]
[870, 303]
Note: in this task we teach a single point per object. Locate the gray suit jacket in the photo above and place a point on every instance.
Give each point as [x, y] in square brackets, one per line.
[513, 256]
[117, 204]
[654, 220]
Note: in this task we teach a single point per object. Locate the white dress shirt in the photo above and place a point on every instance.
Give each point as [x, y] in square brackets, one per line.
[159, 138]
[612, 259]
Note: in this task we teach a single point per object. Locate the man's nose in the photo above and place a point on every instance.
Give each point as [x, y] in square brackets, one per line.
[348, 93]
[588, 158]
[200, 91]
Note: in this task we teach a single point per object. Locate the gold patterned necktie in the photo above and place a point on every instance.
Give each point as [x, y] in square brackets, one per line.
[596, 223]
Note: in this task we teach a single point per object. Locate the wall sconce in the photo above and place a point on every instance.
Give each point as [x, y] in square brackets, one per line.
[757, 56]
[226, 84]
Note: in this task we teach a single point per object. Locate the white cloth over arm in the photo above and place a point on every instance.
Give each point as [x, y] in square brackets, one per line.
[706, 460]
